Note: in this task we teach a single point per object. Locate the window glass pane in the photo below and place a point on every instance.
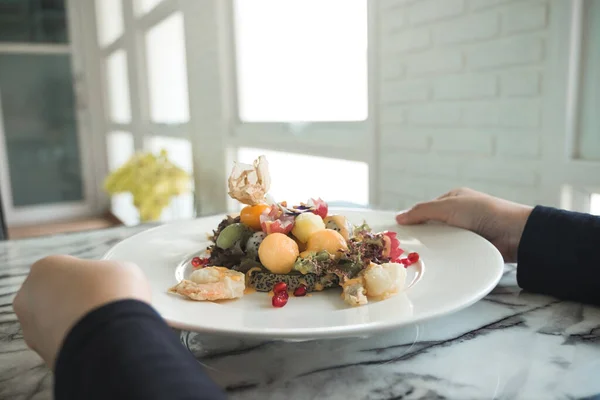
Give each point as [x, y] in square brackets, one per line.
[120, 148]
[589, 123]
[323, 177]
[33, 21]
[301, 60]
[179, 150]
[38, 111]
[167, 72]
[119, 105]
[143, 6]
[109, 20]
[180, 153]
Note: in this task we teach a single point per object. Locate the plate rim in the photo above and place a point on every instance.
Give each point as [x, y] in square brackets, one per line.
[343, 331]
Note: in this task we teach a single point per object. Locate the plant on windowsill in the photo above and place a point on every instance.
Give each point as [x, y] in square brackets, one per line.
[152, 180]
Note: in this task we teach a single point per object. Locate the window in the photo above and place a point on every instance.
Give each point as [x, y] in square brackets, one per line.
[595, 204]
[143, 6]
[38, 109]
[120, 149]
[180, 153]
[167, 74]
[110, 20]
[301, 60]
[298, 177]
[119, 105]
[30, 21]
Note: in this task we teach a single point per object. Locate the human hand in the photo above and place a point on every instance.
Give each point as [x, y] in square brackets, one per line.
[60, 290]
[499, 221]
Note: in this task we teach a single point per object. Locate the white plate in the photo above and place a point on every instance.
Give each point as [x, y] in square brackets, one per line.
[458, 269]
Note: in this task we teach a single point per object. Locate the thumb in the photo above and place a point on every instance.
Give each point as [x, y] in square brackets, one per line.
[436, 210]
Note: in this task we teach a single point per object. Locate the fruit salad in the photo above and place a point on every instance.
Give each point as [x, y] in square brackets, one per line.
[274, 247]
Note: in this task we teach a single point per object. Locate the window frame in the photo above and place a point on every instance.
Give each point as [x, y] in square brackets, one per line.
[91, 203]
[569, 180]
[330, 138]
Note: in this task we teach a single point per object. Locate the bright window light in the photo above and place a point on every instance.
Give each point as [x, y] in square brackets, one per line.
[167, 71]
[119, 107]
[298, 177]
[301, 60]
[109, 14]
[120, 149]
[595, 204]
[179, 151]
[143, 6]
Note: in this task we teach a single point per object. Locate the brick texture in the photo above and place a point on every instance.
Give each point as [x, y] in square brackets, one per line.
[460, 100]
[524, 17]
[506, 52]
[469, 86]
[468, 29]
[520, 83]
[433, 10]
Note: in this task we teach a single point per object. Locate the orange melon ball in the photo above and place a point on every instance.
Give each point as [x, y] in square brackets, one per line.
[278, 253]
[250, 215]
[328, 240]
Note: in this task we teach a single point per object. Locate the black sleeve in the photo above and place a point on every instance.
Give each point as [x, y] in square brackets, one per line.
[124, 350]
[559, 255]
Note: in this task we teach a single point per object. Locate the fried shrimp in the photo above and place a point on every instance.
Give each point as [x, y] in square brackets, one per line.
[212, 283]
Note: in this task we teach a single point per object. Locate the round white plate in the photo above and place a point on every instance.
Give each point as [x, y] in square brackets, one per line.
[458, 268]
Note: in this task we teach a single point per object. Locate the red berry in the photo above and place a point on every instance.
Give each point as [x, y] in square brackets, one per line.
[405, 261]
[300, 291]
[198, 262]
[280, 299]
[413, 257]
[280, 287]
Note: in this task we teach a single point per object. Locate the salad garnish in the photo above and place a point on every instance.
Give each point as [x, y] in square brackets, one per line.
[274, 247]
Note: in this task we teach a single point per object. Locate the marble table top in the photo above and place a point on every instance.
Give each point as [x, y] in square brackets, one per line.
[510, 345]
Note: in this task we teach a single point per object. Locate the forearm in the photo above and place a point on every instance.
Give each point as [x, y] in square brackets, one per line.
[559, 255]
[124, 350]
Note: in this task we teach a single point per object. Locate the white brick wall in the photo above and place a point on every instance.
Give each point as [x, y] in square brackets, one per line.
[433, 10]
[524, 17]
[506, 52]
[465, 87]
[461, 97]
[467, 29]
[520, 83]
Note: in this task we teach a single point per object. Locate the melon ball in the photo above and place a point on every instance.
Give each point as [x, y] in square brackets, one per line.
[328, 240]
[306, 224]
[278, 253]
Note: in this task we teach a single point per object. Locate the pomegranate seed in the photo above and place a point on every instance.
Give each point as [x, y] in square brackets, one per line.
[280, 299]
[200, 262]
[280, 287]
[413, 257]
[405, 261]
[300, 291]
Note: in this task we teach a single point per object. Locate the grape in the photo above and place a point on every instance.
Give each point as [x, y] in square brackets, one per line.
[233, 234]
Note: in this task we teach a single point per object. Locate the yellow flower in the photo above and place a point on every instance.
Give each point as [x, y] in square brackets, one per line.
[152, 180]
